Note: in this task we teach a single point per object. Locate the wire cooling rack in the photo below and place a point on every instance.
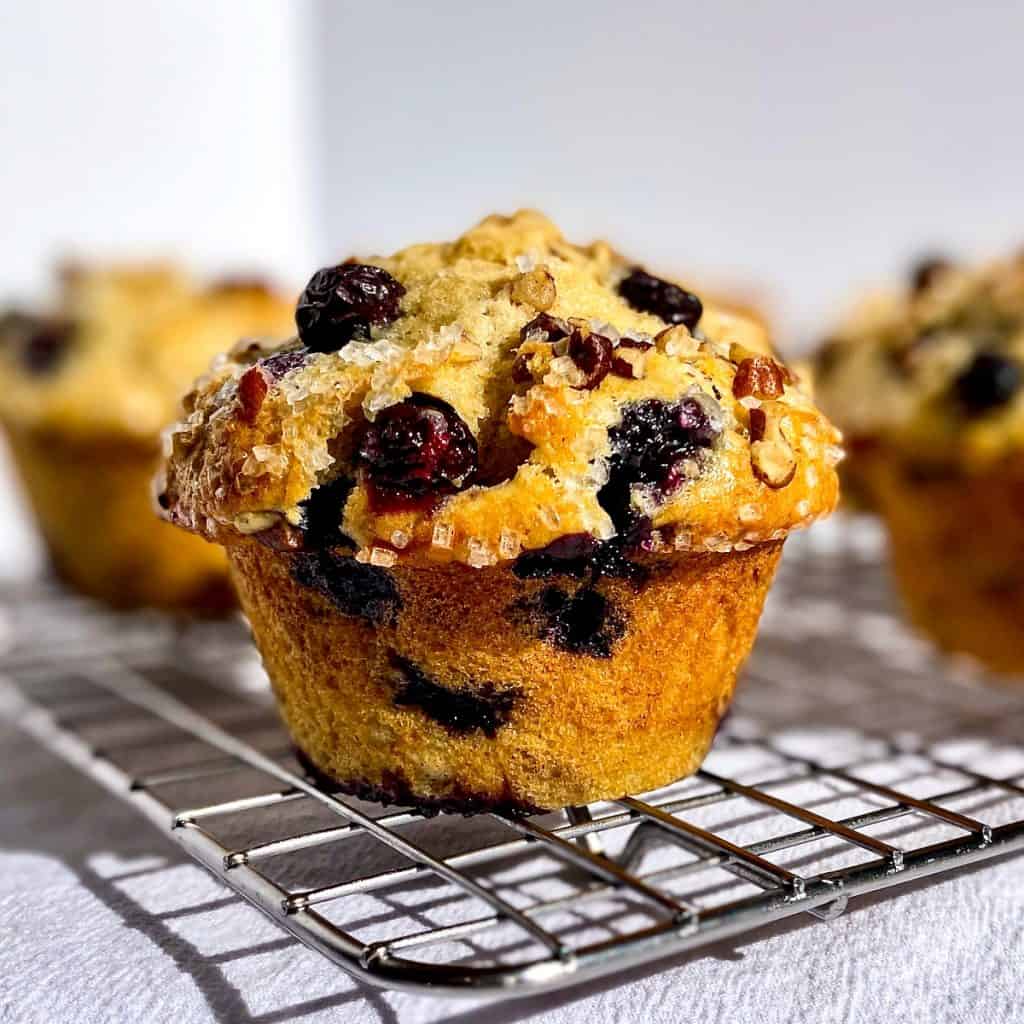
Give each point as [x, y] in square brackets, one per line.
[855, 760]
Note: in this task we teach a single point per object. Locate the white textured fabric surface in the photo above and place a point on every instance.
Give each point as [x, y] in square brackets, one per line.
[102, 919]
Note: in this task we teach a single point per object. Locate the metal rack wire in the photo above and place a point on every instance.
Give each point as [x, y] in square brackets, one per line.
[846, 768]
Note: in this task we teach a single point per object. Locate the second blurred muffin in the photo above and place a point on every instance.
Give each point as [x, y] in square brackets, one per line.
[928, 385]
[89, 386]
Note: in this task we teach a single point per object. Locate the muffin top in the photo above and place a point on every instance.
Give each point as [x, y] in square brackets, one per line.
[121, 346]
[504, 396]
[935, 369]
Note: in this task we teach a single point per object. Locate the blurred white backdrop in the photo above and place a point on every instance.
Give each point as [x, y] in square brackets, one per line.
[792, 151]
[803, 148]
[140, 126]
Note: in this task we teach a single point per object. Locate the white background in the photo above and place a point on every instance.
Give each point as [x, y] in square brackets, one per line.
[795, 148]
[807, 147]
[143, 126]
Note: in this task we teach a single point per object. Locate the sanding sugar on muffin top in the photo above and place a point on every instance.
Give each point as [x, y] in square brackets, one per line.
[473, 400]
[502, 516]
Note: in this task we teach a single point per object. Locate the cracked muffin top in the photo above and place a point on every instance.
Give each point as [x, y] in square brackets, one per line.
[508, 395]
[122, 344]
[936, 368]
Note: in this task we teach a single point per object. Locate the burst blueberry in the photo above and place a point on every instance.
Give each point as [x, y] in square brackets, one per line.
[650, 446]
[322, 512]
[362, 591]
[40, 345]
[415, 453]
[484, 708]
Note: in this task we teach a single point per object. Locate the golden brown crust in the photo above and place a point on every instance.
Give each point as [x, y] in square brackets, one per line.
[93, 504]
[389, 697]
[237, 466]
[958, 551]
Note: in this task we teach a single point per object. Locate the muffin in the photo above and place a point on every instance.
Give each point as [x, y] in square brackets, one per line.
[502, 516]
[928, 384]
[88, 388]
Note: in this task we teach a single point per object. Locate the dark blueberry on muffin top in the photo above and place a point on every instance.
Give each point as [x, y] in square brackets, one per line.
[415, 453]
[651, 294]
[989, 382]
[40, 344]
[654, 445]
[341, 303]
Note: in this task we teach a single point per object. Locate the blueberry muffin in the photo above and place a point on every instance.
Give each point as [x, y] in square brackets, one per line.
[502, 516]
[928, 384]
[88, 388]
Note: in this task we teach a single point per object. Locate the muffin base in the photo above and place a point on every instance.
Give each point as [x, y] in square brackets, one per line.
[957, 545]
[92, 502]
[449, 689]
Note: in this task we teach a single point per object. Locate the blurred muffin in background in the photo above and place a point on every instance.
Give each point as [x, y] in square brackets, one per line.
[928, 385]
[89, 385]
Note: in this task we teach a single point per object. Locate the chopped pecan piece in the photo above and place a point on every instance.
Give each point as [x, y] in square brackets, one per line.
[535, 288]
[759, 376]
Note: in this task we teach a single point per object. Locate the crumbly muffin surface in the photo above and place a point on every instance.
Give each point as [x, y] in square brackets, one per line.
[121, 345]
[937, 368]
[504, 393]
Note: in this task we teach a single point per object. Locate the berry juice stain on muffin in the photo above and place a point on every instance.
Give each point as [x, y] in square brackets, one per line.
[362, 591]
[584, 622]
[483, 708]
[322, 512]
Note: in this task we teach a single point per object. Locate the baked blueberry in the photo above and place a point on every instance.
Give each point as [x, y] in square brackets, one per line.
[362, 591]
[39, 344]
[343, 302]
[584, 622]
[415, 453]
[651, 294]
[989, 382]
[654, 445]
[927, 271]
[322, 512]
[484, 708]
